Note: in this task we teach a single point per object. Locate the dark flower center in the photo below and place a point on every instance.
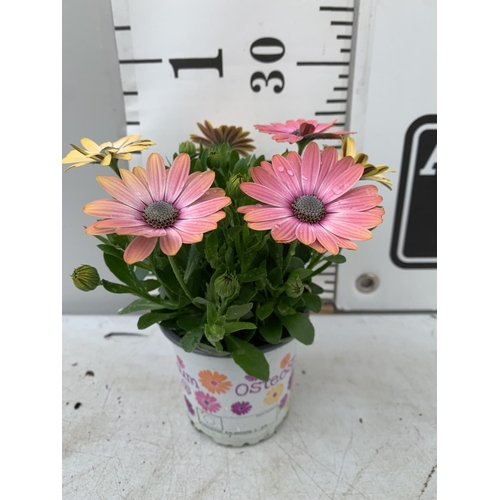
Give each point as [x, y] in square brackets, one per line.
[160, 214]
[309, 208]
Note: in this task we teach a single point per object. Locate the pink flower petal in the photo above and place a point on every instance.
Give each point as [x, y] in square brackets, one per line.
[345, 229]
[119, 190]
[329, 157]
[310, 168]
[99, 228]
[359, 198]
[265, 194]
[195, 226]
[284, 230]
[327, 240]
[204, 208]
[196, 185]
[140, 173]
[211, 194]
[341, 184]
[306, 233]
[248, 208]
[123, 222]
[177, 177]
[216, 217]
[295, 162]
[136, 186]
[139, 249]
[105, 209]
[318, 247]
[156, 176]
[285, 173]
[267, 178]
[324, 126]
[365, 220]
[171, 243]
[189, 238]
[263, 226]
[267, 213]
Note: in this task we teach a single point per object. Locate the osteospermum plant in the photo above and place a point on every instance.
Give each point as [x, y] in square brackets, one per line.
[222, 247]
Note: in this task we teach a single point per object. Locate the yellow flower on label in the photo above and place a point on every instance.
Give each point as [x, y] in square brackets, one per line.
[274, 394]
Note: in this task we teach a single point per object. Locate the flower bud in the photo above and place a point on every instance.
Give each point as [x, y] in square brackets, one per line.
[214, 159]
[294, 287]
[226, 286]
[86, 278]
[233, 186]
[187, 147]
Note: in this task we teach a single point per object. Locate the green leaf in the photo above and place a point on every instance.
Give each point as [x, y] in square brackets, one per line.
[253, 275]
[233, 231]
[241, 167]
[264, 311]
[148, 319]
[116, 287]
[248, 357]
[169, 280]
[214, 333]
[336, 259]
[190, 322]
[301, 273]
[121, 270]
[295, 263]
[276, 277]
[144, 304]
[100, 238]
[191, 339]
[211, 314]
[313, 302]
[141, 272]
[315, 288]
[119, 240]
[300, 327]
[193, 262]
[111, 250]
[200, 301]
[272, 330]
[150, 285]
[239, 325]
[236, 312]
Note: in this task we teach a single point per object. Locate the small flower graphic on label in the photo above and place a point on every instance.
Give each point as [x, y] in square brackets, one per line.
[180, 363]
[186, 387]
[290, 381]
[250, 378]
[285, 361]
[189, 405]
[241, 407]
[214, 382]
[284, 400]
[207, 402]
[273, 394]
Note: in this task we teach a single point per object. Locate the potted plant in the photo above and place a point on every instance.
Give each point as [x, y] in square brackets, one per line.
[221, 248]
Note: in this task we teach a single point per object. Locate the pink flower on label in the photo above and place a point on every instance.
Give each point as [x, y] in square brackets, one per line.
[312, 199]
[207, 402]
[162, 204]
[180, 362]
[295, 130]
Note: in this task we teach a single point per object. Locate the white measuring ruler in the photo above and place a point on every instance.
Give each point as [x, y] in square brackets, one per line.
[247, 63]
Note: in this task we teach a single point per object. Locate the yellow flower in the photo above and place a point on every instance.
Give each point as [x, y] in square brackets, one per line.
[105, 152]
[273, 394]
[372, 172]
[234, 136]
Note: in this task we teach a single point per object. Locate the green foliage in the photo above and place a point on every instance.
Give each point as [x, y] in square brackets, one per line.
[235, 290]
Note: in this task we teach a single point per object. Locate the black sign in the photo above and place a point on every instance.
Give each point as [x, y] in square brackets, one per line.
[414, 241]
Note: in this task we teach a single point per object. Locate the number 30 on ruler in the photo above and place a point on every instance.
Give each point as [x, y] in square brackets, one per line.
[258, 76]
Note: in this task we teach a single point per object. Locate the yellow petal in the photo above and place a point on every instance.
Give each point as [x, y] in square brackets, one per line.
[106, 160]
[73, 156]
[122, 156]
[90, 146]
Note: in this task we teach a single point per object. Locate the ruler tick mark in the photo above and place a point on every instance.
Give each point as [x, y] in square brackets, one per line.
[337, 9]
[323, 63]
[344, 37]
[122, 28]
[140, 61]
[130, 92]
[339, 88]
[326, 113]
[341, 23]
[336, 100]
[133, 123]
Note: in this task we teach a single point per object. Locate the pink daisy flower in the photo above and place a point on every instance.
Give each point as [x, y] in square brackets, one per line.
[207, 402]
[312, 199]
[158, 204]
[295, 130]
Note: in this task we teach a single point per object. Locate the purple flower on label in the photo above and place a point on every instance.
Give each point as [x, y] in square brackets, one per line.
[283, 400]
[180, 363]
[186, 387]
[290, 381]
[241, 407]
[189, 405]
[207, 402]
[250, 378]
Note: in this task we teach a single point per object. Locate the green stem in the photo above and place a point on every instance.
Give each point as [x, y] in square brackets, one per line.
[114, 167]
[291, 253]
[180, 279]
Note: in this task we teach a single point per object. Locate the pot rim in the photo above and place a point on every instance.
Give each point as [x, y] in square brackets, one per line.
[174, 338]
